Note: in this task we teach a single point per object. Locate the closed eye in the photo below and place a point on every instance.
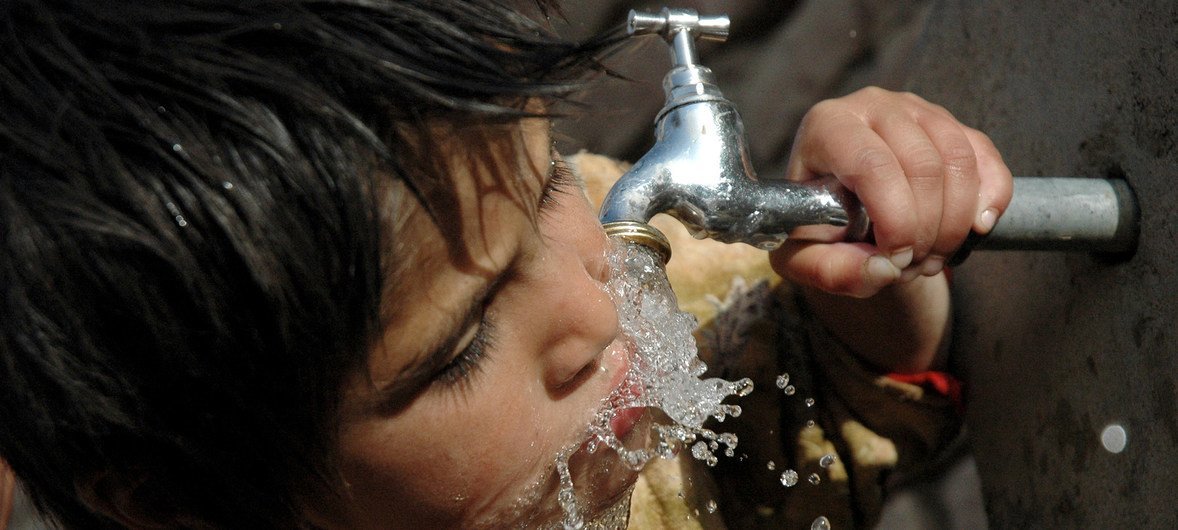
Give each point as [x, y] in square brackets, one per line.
[560, 180]
[469, 361]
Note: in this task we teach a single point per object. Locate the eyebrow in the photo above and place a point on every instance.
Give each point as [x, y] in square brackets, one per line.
[411, 379]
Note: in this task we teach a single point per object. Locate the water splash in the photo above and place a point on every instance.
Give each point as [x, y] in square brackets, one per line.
[665, 373]
[665, 369]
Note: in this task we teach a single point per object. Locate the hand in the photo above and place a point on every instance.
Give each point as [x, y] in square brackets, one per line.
[924, 178]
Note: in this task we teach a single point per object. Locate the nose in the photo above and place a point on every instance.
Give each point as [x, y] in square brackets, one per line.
[585, 319]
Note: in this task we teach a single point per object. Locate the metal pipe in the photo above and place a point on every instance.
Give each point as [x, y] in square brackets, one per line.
[1053, 213]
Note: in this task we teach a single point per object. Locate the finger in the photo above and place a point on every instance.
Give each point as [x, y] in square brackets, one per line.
[960, 192]
[864, 163]
[995, 186]
[922, 165]
[848, 269]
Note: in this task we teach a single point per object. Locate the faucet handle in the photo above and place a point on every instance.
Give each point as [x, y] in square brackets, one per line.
[680, 27]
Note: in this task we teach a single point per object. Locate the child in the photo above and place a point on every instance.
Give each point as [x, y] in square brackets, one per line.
[314, 264]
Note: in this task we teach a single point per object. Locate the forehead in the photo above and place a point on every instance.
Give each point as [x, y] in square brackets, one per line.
[475, 174]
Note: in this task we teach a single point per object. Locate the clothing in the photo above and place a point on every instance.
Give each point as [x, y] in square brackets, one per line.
[879, 429]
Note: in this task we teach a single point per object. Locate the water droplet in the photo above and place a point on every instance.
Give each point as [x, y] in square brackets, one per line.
[277, 26]
[821, 523]
[814, 479]
[809, 402]
[810, 423]
[789, 478]
[227, 185]
[771, 465]
[826, 461]
[711, 506]
[789, 390]
[1114, 438]
[782, 380]
[177, 148]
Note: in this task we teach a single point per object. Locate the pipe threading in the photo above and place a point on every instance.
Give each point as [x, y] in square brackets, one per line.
[642, 234]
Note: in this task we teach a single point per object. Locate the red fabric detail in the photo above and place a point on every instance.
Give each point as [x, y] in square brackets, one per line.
[939, 382]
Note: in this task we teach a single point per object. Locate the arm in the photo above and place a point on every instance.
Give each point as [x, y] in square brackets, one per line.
[926, 180]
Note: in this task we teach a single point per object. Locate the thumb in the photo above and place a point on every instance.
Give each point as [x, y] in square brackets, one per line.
[847, 269]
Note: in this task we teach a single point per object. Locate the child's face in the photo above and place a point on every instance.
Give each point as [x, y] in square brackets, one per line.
[476, 445]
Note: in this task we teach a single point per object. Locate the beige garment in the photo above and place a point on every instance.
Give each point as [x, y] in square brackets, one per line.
[753, 325]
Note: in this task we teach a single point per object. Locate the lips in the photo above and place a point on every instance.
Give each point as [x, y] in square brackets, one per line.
[624, 420]
[625, 393]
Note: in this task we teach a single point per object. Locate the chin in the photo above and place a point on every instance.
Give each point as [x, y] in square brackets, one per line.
[602, 483]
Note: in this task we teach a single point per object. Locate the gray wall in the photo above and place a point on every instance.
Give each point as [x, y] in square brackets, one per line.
[1056, 347]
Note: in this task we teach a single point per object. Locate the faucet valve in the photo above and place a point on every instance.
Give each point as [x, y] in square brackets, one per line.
[680, 27]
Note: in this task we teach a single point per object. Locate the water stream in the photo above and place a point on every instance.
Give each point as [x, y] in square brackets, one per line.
[665, 375]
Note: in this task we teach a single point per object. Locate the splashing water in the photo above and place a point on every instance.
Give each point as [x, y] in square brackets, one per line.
[664, 374]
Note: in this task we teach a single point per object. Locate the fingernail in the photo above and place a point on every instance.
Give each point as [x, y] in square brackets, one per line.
[902, 258]
[986, 220]
[880, 270]
[909, 275]
[932, 265]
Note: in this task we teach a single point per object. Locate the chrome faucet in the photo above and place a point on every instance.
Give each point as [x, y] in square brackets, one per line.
[699, 171]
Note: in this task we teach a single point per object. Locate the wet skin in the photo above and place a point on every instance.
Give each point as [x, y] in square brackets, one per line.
[492, 365]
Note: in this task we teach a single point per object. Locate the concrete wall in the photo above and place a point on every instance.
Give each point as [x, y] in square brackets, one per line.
[1057, 347]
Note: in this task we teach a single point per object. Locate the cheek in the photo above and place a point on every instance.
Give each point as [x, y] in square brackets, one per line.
[455, 455]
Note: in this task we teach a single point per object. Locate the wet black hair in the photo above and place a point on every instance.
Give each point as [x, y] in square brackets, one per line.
[191, 233]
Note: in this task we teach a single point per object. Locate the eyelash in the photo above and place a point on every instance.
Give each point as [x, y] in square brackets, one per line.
[468, 362]
[561, 179]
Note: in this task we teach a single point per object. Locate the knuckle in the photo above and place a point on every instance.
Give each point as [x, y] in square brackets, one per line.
[924, 162]
[873, 160]
[828, 277]
[960, 157]
[820, 110]
[926, 181]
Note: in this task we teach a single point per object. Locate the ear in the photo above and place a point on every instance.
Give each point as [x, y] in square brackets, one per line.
[128, 498]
